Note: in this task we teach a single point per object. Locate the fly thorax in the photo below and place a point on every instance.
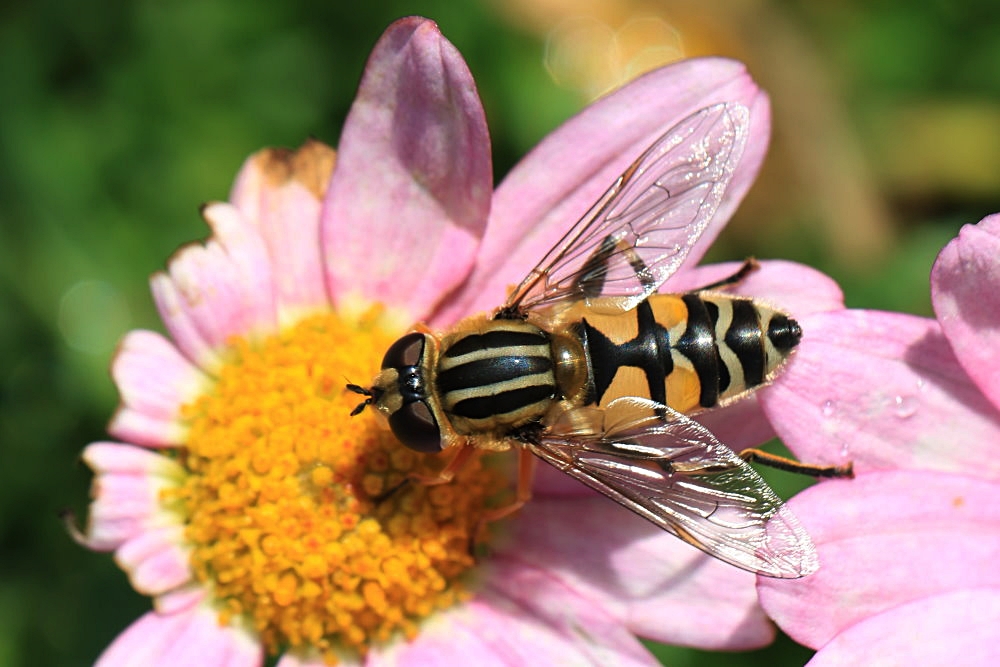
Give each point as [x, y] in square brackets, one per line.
[495, 375]
[572, 370]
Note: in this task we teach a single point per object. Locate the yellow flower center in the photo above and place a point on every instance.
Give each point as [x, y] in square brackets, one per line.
[282, 500]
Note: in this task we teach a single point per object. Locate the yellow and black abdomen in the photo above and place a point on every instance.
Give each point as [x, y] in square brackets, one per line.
[690, 351]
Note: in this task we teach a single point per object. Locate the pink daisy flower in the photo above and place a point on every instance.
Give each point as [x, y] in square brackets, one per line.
[909, 548]
[238, 495]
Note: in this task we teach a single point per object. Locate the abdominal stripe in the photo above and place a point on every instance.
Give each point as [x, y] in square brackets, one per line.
[698, 345]
[649, 351]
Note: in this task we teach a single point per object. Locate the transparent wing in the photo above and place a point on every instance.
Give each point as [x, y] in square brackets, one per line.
[641, 230]
[672, 471]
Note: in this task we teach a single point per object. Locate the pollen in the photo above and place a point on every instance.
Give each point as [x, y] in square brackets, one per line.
[301, 521]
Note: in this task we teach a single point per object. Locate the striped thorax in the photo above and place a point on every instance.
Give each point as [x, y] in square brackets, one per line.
[495, 377]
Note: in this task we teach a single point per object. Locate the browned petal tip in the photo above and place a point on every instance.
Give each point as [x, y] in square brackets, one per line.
[68, 518]
[311, 165]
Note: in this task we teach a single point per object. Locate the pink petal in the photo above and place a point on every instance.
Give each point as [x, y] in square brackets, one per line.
[179, 599]
[182, 326]
[281, 192]
[795, 288]
[885, 391]
[126, 492]
[146, 430]
[561, 177]
[552, 483]
[221, 289]
[950, 629]
[112, 458]
[740, 425]
[154, 381]
[156, 561]
[188, 638]
[532, 619]
[411, 193]
[885, 539]
[153, 377]
[965, 286]
[639, 573]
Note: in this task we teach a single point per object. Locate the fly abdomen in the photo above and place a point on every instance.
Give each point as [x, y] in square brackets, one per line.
[689, 351]
[749, 341]
[629, 354]
[698, 346]
[745, 339]
[498, 378]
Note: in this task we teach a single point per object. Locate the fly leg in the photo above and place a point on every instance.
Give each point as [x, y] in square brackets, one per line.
[754, 455]
[749, 266]
[525, 476]
[446, 475]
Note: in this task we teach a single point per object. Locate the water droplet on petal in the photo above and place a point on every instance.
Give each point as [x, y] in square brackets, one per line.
[905, 406]
[828, 408]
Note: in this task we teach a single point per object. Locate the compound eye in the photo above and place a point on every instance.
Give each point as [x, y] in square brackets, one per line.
[406, 351]
[416, 427]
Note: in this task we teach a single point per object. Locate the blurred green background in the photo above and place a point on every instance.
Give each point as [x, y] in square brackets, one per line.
[117, 119]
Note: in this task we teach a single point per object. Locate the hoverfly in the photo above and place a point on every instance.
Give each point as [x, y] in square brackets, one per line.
[587, 368]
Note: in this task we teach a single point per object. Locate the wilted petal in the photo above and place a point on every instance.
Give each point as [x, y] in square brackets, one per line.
[564, 175]
[965, 287]
[155, 380]
[528, 618]
[193, 637]
[411, 193]
[281, 193]
[126, 493]
[639, 573]
[885, 539]
[214, 291]
[957, 628]
[882, 390]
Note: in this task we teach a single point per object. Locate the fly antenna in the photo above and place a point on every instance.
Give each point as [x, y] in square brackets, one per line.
[358, 389]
